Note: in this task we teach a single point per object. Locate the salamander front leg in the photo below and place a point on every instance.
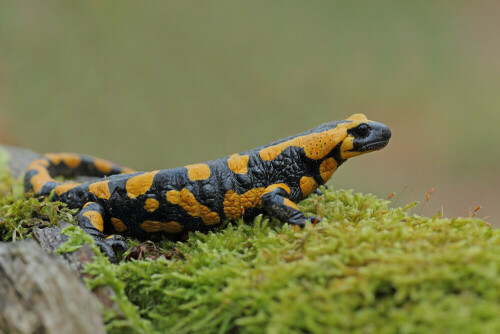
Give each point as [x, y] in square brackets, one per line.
[91, 220]
[277, 204]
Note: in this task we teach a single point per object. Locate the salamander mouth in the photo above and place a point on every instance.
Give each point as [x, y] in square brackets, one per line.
[374, 146]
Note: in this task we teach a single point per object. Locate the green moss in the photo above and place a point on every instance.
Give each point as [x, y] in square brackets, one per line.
[126, 316]
[18, 217]
[365, 268]
[18, 214]
[77, 238]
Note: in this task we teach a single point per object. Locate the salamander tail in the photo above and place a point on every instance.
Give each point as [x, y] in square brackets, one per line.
[39, 174]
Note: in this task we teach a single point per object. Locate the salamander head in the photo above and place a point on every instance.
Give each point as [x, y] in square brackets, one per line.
[337, 140]
[363, 136]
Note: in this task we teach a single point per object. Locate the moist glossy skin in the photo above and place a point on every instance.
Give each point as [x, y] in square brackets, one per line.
[268, 179]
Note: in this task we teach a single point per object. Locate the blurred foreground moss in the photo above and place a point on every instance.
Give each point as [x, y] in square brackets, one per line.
[18, 214]
[365, 268]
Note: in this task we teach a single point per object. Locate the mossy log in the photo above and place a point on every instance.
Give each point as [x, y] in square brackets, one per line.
[51, 238]
[40, 294]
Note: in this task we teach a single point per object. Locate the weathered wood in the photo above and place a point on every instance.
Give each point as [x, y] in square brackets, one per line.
[51, 238]
[20, 159]
[40, 294]
[35, 305]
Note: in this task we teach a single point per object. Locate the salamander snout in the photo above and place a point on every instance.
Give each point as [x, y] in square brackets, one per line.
[385, 132]
[370, 136]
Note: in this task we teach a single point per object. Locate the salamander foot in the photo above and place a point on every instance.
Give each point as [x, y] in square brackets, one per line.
[107, 245]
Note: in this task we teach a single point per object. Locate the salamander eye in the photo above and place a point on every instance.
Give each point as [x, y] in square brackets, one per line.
[361, 131]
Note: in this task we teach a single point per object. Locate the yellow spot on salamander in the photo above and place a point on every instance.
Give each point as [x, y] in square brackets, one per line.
[232, 206]
[42, 177]
[127, 170]
[357, 117]
[42, 162]
[55, 158]
[95, 219]
[327, 168]
[273, 187]
[152, 226]
[238, 163]
[188, 202]
[103, 166]
[252, 198]
[140, 184]
[307, 185]
[198, 172]
[291, 204]
[100, 189]
[118, 225]
[151, 204]
[235, 204]
[346, 147]
[71, 160]
[316, 145]
[61, 189]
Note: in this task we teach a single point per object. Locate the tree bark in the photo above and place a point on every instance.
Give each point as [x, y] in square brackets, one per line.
[20, 159]
[51, 238]
[40, 294]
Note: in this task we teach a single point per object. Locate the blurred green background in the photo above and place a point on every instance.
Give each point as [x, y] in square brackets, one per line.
[158, 84]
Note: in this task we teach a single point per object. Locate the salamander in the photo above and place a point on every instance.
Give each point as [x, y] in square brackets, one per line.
[269, 179]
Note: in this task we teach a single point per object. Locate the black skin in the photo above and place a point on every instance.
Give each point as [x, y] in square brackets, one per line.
[287, 168]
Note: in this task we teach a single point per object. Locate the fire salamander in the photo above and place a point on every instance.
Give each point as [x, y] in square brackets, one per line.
[268, 179]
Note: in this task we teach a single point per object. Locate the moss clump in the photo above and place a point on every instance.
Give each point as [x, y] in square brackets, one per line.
[365, 268]
[18, 217]
[18, 214]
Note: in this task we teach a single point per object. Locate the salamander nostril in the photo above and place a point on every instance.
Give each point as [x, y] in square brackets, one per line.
[387, 133]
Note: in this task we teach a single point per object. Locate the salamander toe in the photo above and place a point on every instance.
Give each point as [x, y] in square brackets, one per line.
[107, 245]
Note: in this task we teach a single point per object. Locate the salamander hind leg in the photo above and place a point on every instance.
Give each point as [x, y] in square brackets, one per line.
[91, 220]
[276, 202]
